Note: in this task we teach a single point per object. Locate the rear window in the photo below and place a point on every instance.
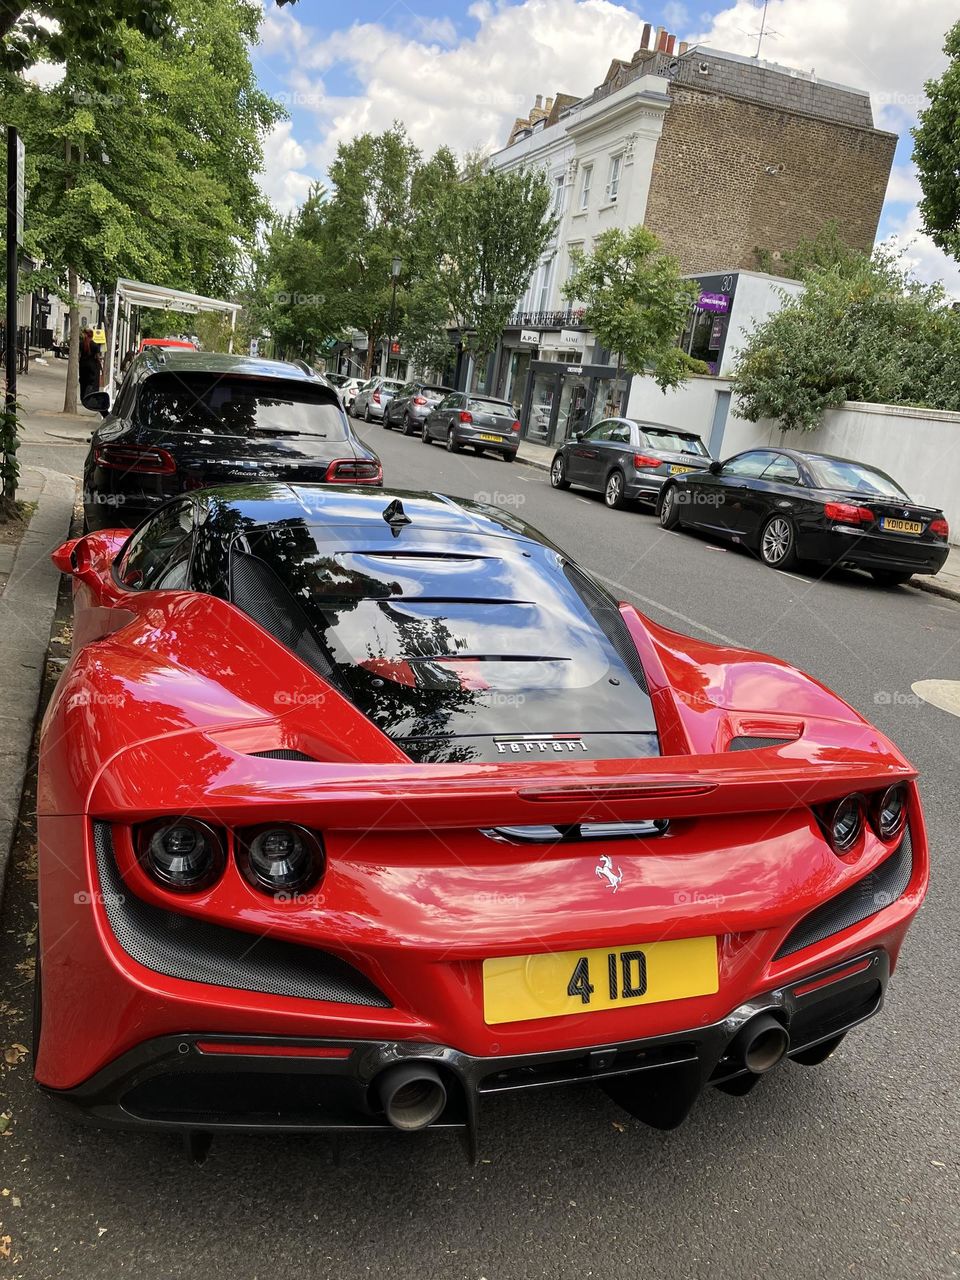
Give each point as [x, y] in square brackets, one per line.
[673, 441]
[484, 405]
[853, 477]
[209, 404]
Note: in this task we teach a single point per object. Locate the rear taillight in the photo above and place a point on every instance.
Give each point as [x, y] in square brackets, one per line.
[515, 427]
[354, 471]
[847, 513]
[940, 528]
[641, 460]
[842, 822]
[376, 397]
[465, 416]
[419, 400]
[131, 457]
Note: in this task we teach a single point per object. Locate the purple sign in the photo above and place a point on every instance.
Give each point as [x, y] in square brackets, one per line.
[714, 302]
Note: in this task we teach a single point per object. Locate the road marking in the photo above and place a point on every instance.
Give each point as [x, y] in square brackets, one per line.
[944, 694]
[673, 613]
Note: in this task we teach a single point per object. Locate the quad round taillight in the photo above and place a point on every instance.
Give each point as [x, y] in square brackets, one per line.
[280, 858]
[181, 853]
[890, 812]
[844, 823]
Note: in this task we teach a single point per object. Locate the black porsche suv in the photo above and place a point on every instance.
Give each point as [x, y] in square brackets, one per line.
[187, 420]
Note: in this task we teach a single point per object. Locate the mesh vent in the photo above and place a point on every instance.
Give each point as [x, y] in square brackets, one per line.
[256, 591]
[282, 753]
[611, 622]
[181, 947]
[747, 743]
[861, 901]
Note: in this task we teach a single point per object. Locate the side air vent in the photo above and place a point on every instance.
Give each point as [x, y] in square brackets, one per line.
[861, 901]
[255, 590]
[747, 743]
[183, 947]
[610, 620]
[283, 753]
[546, 833]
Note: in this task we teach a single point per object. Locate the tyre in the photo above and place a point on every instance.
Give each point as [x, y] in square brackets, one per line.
[407, 425]
[424, 437]
[509, 457]
[669, 508]
[452, 446]
[385, 422]
[613, 493]
[887, 578]
[778, 543]
[366, 412]
[558, 472]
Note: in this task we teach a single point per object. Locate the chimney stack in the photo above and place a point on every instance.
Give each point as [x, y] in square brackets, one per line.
[538, 106]
[549, 105]
[661, 39]
[645, 37]
[671, 43]
[684, 46]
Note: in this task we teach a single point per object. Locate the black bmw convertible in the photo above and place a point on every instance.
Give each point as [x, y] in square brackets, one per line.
[791, 508]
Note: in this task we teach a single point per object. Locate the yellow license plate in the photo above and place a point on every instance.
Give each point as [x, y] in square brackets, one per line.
[900, 526]
[676, 470]
[495, 439]
[517, 988]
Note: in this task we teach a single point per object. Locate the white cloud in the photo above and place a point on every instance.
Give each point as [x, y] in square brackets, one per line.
[675, 15]
[904, 185]
[436, 30]
[283, 180]
[921, 256]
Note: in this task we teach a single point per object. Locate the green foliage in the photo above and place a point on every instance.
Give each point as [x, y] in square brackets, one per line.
[827, 249]
[636, 302]
[865, 332]
[52, 30]
[936, 152]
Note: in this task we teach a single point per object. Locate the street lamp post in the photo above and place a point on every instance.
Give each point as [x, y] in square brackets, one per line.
[396, 266]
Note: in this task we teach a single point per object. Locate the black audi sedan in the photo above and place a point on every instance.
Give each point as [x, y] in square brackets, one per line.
[792, 508]
[187, 420]
[627, 460]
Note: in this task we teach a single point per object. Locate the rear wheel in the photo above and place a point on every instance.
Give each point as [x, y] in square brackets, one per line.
[558, 473]
[669, 508]
[366, 412]
[778, 543]
[452, 446]
[887, 578]
[613, 494]
[407, 425]
[424, 435]
[509, 457]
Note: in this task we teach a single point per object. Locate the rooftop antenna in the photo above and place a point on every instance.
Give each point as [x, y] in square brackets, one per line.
[763, 29]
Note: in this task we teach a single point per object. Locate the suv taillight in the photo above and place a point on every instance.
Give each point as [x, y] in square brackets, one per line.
[516, 426]
[940, 527]
[354, 471]
[642, 460]
[847, 513]
[132, 457]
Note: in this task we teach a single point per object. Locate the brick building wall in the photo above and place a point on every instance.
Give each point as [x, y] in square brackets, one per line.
[733, 176]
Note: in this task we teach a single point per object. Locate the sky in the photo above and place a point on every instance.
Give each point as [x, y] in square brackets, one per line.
[461, 73]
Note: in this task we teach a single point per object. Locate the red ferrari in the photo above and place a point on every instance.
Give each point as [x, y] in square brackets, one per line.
[357, 809]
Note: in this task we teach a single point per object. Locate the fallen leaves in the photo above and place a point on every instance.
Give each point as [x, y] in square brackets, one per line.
[14, 1054]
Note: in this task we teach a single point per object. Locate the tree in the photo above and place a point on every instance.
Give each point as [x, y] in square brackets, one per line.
[144, 165]
[478, 236]
[826, 249]
[864, 332]
[936, 152]
[636, 302]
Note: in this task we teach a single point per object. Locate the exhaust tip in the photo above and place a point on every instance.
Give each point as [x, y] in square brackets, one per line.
[412, 1095]
[761, 1044]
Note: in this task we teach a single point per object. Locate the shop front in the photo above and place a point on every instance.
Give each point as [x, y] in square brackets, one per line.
[562, 398]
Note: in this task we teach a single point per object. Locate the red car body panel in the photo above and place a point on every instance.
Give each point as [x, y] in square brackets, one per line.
[169, 695]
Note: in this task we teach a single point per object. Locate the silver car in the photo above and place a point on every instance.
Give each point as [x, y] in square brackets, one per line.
[411, 405]
[479, 421]
[627, 461]
[373, 397]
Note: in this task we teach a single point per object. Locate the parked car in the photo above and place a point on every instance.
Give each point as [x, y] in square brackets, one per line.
[348, 391]
[627, 460]
[335, 379]
[301, 735]
[168, 344]
[790, 507]
[412, 403]
[373, 397]
[183, 420]
[483, 423]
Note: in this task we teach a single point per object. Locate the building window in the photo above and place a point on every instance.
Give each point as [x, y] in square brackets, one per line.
[585, 185]
[574, 247]
[613, 186]
[546, 271]
[558, 185]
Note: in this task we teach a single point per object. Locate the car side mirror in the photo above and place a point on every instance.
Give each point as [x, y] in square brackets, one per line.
[97, 401]
[64, 557]
[715, 468]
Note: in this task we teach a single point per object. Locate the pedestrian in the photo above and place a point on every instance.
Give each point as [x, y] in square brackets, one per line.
[89, 365]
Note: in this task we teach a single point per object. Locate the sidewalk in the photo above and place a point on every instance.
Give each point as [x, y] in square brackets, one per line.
[28, 594]
[946, 583]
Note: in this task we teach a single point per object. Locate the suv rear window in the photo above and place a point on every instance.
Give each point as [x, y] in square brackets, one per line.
[211, 404]
[672, 441]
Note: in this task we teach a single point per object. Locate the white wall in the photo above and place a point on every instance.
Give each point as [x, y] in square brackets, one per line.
[920, 448]
[758, 297]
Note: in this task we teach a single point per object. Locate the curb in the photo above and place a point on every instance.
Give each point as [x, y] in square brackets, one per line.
[934, 588]
[27, 607]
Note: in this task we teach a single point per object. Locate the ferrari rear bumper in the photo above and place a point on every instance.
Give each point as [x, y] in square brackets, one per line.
[196, 1083]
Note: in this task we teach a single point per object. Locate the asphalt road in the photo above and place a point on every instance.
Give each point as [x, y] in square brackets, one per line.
[850, 1169]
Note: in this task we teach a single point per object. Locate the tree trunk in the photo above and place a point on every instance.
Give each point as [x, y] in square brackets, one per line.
[73, 357]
